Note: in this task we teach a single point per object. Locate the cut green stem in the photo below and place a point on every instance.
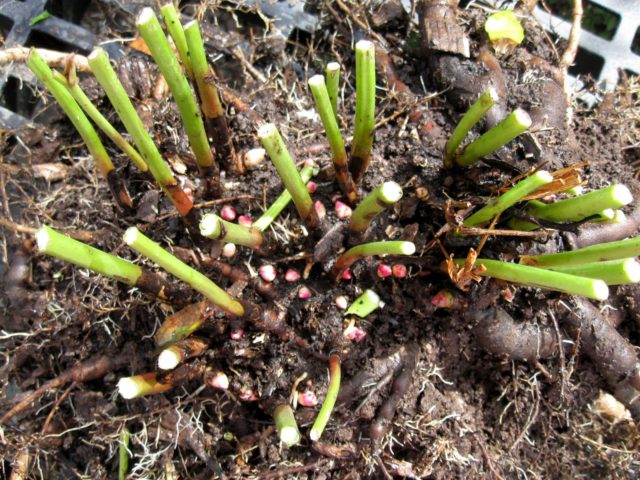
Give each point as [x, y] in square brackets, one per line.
[508, 199]
[473, 116]
[345, 260]
[103, 124]
[277, 150]
[282, 201]
[330, 400]
[123, 453]
[540, 277]
[83, 126]
[365, 304]
[613, 272]
[212, 226]
[180, 351]
[106, 76]
[338, 152]
[516, 123]
[596, 253]
[286, 425]
[66, 248]
[215, 119]
[365, 109]
[172, 21]
[147, 247]
[375, 203]
[150, 29]
[578, 208]
[332, 73]
[141, 385]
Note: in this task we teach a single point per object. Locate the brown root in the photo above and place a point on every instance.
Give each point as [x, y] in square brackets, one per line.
[498, 333]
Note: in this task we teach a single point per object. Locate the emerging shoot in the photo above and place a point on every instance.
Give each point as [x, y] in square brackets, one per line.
[212, 226]
[277, 150]
[151, 31]
[286, 425]
[508, 199]
[473, 116]
[515, 124]
[375, 203]
[330, 400]
[147, 247]
[539, 277]
[338, 152]
[365, 109]
[332, 73]
[39, 67]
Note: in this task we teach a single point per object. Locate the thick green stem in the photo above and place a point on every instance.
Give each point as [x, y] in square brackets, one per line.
[578, 208]
[172, 21]
[147, 247]
[282, 201]
[332, 73]
[66, 248]
[103, 124]
[365, 109]
[212, 226]
[508, 199]
[277, 150]
[150, 29]
[330, 400]
[375, 203]
[345, 260]
[215, 119]
[473, 116]
[286, 425]
[338, 152]
[612, 272]
[106, 76]
[516, 123]
[83, 126]
[596, 253]
[540, 277]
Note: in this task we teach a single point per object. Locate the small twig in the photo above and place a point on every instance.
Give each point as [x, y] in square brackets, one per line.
[52, 57]
[569, 55]
[53, 411]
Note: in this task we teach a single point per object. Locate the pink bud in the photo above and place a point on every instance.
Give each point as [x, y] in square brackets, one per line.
[507, 295]
[312, 187]
[354, 333]
[399, 270]
[307, 398]
[320, 210]
[228, 213]
[342, 302]
[245, 220]
[219, 381]
[384, 270]
[342, 210]
[236, 333]
[292, 275]
[267, 273]
[304, 293]
[346, 275]
[247, 395]
[443, 299]
[335, 198]
[229, 250]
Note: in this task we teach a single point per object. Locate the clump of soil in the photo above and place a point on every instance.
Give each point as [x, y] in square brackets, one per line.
[420, 397]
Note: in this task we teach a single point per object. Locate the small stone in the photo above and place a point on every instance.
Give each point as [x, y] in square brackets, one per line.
[342, 302]
[229, 250]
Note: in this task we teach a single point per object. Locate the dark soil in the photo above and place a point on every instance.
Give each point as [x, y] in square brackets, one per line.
[421, 398]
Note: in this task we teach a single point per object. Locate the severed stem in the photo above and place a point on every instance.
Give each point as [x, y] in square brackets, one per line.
[613, 272]
[365, 109]
[332, 74]
[395, 247]
[171, 19]
[595, 253]
[286, 425]
[375, 203]
[212, 226]
[330, 400]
